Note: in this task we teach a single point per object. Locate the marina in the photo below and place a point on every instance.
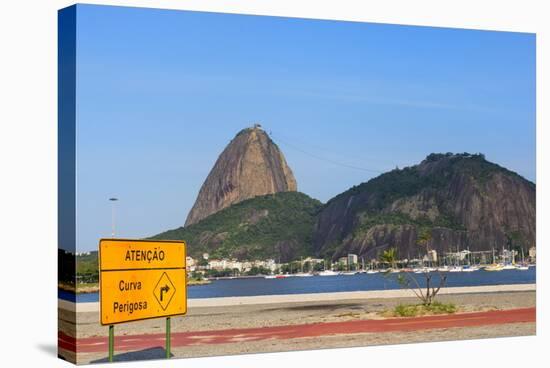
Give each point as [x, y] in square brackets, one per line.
[252, 286]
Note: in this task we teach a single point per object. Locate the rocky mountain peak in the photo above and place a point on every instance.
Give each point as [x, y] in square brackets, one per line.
[251, 165]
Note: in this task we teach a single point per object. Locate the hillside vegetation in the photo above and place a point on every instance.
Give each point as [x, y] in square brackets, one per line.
[452, 200]
[277, 226]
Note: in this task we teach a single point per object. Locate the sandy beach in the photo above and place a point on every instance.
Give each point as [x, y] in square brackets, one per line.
[282, 310]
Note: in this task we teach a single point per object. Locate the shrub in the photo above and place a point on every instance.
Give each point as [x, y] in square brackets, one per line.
[414, 310]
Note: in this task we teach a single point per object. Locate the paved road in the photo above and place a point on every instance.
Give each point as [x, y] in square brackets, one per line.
[138, 342]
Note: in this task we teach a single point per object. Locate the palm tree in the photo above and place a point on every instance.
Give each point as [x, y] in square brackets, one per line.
[423, 238]
[389, 256]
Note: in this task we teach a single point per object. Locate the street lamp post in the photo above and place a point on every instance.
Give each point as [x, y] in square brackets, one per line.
[112, 327]
[113, 200]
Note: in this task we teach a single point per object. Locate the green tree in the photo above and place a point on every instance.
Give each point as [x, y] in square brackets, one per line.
[258, 270]
[424, 236]
[341, 266]
[389, 256]
[196, 275]
[318, 267]
[203, 262]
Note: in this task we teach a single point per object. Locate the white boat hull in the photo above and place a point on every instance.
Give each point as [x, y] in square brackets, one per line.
[328, 273]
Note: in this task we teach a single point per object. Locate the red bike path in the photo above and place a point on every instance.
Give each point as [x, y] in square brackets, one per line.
[144, 341]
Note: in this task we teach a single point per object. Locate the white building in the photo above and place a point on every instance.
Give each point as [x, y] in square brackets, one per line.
[314, 260]
[217, 264]
[352, 259]
[432, 255]
[533, 254]
[190, 264]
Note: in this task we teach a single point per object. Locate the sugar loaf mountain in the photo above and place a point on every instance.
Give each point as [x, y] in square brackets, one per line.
[249, 208]
[250, 166]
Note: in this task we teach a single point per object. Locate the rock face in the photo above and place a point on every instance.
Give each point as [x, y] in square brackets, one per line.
[251, 165]
[449, 201]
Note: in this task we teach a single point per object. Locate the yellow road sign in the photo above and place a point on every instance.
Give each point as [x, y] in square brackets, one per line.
[141, 279]
[119, 254]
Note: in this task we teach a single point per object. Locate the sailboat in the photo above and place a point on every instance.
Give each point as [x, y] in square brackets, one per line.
[507, 264]
[457, 267]
[443, 268]
[469, 267]
[371, 270]
[348, 273]
[328, 272]
[494, 267]
[523, 266]
[362, 268]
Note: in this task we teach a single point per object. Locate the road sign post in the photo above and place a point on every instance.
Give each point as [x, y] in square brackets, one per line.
[141, 279]
[111, 342]
[168, 338]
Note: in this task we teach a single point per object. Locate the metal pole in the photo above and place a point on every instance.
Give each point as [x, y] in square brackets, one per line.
[113, 220]
[113, 200]
[167, 337]
[111, 342]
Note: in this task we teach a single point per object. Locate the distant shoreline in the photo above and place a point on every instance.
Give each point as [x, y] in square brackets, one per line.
[80, 288]
[89, 288]
[317, 297]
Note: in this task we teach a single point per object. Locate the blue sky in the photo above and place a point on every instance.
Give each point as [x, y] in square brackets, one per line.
[160, 94]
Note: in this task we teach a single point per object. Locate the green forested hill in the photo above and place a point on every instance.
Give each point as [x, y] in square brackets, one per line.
[277, 226]
[452, 201]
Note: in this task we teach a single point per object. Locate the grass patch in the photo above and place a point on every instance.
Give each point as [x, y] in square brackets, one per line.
[415, 310]
[192, 282]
